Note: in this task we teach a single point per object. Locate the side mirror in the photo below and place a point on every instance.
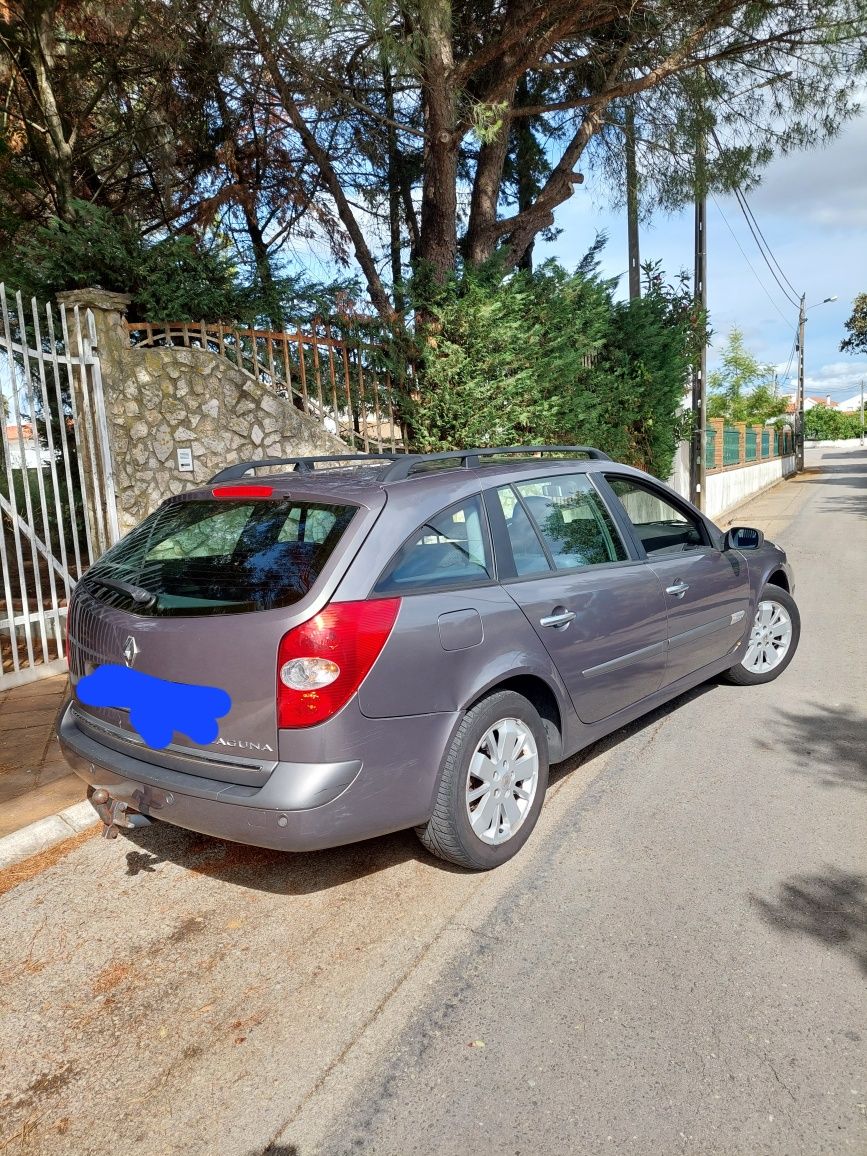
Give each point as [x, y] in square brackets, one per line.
[743, 538]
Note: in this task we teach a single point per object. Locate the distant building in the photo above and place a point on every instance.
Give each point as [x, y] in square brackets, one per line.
[851, 404]
[809, 402]
[23, 447]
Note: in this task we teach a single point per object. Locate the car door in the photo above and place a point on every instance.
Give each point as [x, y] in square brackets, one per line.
[599, 612]
[706, 589]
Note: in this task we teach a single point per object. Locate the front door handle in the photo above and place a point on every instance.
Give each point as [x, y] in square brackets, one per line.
[678, 589]
[560, 617]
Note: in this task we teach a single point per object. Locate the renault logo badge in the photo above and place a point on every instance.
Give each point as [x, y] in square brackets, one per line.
[130, 650]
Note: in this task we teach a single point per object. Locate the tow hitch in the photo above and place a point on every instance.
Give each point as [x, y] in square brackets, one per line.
[115, 813]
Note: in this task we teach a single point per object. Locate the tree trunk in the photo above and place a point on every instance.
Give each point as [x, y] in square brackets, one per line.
[527, 186]
[56, 147]
[394, 191]
[522, 229]
[438, 238]
[632, 205]
[486, 192]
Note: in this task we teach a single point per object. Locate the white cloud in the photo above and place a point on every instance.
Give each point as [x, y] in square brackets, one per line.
[841, 379]
[823, 187]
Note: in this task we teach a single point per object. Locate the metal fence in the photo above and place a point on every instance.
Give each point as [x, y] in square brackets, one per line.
[345, 380]
[57, 507]
[750, 444]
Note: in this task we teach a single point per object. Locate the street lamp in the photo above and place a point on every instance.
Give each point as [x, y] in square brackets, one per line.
[799, 417]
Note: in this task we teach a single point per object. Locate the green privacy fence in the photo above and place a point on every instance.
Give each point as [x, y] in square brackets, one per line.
[742, 444]
[731, 446]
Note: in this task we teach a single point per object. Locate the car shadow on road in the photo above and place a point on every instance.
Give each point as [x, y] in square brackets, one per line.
[830, 907]
[285, 873]
[828, 743]
[261, 869]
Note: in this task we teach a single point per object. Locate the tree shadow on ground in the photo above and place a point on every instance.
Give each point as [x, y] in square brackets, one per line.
[826, 742]
[831, 907]
[845, 503]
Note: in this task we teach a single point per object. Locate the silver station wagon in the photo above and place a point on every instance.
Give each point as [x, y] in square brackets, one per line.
[405, 641]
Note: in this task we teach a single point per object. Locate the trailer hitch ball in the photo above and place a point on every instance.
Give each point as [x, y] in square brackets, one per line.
[99, 797]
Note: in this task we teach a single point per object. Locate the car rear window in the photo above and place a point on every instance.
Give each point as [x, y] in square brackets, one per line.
[219, 557]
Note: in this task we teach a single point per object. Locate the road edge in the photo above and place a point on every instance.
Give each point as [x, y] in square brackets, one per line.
[44, 833]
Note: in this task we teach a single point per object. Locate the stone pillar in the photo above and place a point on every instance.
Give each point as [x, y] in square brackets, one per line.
[95, 427]
[741, 427]
[718, 426]
[109, 310]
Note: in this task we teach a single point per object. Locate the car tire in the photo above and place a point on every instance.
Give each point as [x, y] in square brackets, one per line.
[471, 825]
[779, 610]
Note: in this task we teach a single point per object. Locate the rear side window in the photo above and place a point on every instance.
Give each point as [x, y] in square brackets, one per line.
[219, 557]
[449, 550]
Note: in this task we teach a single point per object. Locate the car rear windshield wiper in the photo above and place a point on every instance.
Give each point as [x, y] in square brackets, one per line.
[137, 593]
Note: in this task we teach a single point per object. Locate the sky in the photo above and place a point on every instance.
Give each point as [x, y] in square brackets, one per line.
[811, 207]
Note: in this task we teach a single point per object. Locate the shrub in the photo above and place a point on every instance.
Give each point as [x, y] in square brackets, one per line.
[550, 357]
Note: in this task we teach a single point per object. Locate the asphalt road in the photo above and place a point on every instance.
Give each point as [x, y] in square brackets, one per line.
[674, 964]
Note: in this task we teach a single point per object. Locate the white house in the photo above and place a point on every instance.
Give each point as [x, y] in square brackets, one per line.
[21, 444]
[851, 404]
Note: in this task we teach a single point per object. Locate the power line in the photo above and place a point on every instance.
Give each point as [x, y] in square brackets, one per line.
[787, 320]
[746, 205]
[768, 257]
[741, 200]
[788, 369]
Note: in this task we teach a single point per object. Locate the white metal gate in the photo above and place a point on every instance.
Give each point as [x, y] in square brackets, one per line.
[57, 506]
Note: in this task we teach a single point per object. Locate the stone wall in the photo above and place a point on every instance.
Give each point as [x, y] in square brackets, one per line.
[159, 401]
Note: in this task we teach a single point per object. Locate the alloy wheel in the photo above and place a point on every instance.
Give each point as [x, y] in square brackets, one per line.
[770, 638]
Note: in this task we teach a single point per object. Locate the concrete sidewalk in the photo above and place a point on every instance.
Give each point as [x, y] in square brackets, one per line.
[35, 781]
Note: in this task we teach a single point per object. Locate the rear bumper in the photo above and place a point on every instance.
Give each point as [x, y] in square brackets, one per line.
[303, 806]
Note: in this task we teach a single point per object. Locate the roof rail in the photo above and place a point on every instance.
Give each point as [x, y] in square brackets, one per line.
[304, 465]
[401, 464]
[405, 464]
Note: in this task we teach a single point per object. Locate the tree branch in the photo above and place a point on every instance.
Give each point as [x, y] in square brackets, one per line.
[376, 288]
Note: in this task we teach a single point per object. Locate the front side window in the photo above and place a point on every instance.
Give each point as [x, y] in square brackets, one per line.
[451, 549]
[574, 526]
[219, 557]
[663, 527]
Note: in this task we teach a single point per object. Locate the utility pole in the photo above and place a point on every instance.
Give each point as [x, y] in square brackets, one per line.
[697, 463]
[799, 408]
[632, 205]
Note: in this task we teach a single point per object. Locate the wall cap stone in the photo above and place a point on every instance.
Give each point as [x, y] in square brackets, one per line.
[95, 299]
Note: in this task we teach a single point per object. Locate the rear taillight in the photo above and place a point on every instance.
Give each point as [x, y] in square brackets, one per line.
[322, 662]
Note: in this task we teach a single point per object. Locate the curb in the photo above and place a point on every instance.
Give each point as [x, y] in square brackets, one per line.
[45, 833]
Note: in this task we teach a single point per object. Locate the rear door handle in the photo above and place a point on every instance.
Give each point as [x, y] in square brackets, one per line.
[678, 589]
[558, 618]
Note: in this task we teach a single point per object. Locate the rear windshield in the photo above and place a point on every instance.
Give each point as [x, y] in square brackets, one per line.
[219, 557]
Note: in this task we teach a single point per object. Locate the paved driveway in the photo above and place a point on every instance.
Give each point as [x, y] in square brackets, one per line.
[676, 963]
